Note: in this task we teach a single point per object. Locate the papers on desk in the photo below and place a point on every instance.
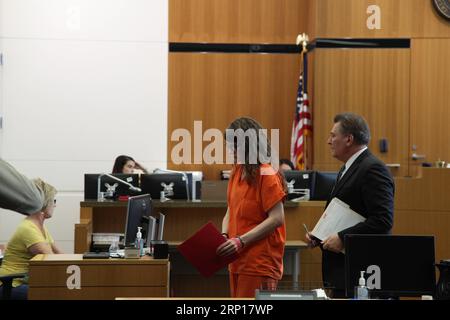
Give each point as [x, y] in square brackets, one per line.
[118, 254]
[337, 217]
[200, 250]
[106, 238]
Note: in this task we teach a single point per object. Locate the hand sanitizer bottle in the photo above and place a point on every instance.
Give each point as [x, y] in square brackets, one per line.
[361, 291]
[139, 243]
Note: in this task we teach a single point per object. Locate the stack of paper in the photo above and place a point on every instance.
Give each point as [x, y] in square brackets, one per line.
[337, 217]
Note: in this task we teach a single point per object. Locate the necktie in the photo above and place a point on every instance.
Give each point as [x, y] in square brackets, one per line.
[341, 171]
[339, 176]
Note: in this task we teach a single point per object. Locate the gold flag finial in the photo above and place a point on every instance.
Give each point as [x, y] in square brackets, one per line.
[303, 39]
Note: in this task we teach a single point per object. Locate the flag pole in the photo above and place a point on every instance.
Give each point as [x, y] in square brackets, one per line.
[303, 40]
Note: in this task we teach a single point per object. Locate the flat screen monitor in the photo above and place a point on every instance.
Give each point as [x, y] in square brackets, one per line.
[151, 233]
[323, 185]
[399, 265]
[154, 183]
[138, 213]
[302, 180]
[161, 221]
[195, 184]
[91, 180]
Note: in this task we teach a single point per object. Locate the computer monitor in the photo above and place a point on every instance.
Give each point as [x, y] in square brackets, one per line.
[138, 213]
[303, 180]
[161, 221]
[398, 265]
[154, 183]
[151, 233]
[324, 184]
[91, 188]
[195, 184]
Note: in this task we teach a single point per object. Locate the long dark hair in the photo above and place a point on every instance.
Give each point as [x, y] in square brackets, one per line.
[249, 125]
[120, 162]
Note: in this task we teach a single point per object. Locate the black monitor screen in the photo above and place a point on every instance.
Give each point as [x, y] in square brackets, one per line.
[91, 180]
[303, 180]
[174, 184]
[138, 212]
[324, 185]
[398, 265]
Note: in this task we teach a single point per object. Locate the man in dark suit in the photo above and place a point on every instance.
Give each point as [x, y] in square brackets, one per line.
[365, 184]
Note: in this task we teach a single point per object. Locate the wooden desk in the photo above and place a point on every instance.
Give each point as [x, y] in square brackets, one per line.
[291, 250]
[100, 279]
[183, 218]
[422, 207]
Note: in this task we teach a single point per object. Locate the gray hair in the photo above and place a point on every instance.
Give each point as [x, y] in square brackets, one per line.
[351, 123]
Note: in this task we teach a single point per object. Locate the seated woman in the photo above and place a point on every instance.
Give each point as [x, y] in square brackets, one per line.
[31, 238]
[126, 164]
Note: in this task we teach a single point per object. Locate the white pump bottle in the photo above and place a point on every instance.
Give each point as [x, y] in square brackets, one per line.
[362, 291]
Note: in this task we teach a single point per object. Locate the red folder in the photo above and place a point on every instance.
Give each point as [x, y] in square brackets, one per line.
[200, 250]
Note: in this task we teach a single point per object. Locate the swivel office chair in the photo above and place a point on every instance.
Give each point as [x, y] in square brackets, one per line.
[6, 287]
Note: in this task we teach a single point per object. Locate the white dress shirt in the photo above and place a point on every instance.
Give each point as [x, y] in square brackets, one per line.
[352, 159]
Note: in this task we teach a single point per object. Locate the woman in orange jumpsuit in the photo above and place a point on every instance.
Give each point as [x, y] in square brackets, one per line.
[254, 221]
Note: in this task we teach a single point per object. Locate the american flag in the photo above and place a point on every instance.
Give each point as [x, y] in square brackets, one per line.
[302, 125]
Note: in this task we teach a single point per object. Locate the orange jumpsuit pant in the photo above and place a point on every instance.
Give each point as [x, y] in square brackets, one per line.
[244, 286]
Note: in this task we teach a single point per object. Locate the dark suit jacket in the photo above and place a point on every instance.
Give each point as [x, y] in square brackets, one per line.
[368, 188]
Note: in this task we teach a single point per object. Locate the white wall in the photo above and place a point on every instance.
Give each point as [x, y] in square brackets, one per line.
[82, 82]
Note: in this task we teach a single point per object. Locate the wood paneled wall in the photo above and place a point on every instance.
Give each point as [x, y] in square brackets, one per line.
[237, 21]
[349, 79]
[370, 82]
[401, 92]
[422, 207]
[217, 88]
[399, 19]
[430, 98]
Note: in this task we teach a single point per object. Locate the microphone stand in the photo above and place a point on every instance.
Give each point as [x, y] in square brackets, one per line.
[305, 193]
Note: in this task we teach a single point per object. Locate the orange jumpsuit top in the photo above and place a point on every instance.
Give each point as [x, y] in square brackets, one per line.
[248, 207]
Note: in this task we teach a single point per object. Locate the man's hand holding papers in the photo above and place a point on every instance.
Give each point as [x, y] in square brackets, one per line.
[337, 217]
[310, 239]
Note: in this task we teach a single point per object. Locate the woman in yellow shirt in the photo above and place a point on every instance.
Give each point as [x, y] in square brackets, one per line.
[31, 238]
